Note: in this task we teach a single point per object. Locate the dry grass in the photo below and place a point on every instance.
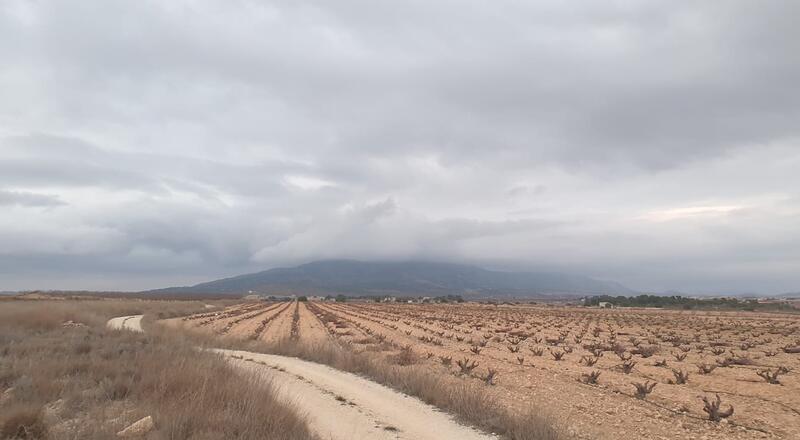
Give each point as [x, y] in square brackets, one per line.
[89, 382]
[23, 421]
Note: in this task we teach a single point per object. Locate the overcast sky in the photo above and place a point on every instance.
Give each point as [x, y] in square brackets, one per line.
[153, 143]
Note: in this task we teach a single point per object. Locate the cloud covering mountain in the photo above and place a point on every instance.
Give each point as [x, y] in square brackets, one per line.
[148, 143]
[407, 278]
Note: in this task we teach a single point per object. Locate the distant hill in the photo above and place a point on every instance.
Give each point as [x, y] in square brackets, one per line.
[402, 279]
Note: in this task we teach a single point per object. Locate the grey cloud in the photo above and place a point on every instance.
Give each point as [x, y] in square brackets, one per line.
[42, 160]
[44, 172]
[657, 85]
[22, 198]
[183, 141]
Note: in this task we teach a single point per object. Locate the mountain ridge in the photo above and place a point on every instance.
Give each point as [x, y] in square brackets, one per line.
[407, 278]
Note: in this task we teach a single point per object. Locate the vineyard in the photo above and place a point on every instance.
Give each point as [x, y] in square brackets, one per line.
[632, 373]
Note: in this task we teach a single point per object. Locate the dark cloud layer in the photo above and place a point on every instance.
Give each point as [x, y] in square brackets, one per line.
[150, 143]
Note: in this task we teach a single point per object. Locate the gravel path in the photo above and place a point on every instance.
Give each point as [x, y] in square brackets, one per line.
[340, 405]
[133, 322]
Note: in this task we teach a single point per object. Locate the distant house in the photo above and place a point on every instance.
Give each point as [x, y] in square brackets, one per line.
[605, 305]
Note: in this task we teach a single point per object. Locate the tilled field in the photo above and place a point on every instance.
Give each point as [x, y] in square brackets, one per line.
[583, 365]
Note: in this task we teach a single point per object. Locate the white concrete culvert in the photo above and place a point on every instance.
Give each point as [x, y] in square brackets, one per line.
[340, 405]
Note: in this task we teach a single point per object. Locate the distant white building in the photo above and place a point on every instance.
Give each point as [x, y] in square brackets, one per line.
[605, 305]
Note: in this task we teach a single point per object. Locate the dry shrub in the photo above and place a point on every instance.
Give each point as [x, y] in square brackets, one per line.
[627, 366]
[714, 409]
[590, 378]
[22, 421]
[704, 368]
[643, 389]
[466, 365]
[681, 377]
[405, 357]
[490, 376]
[770, 376]
[646, 351]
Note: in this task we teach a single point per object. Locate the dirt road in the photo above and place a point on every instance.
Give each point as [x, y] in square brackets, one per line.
[340, 405]
[133, 322]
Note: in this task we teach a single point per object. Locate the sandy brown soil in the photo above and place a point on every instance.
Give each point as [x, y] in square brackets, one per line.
[735, 345]
[669, 411]
[281, 326]
[311, 328]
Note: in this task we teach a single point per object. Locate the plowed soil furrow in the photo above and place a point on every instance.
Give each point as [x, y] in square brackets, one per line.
[204, 319]
[280, 327]
[249, 317]
[295, 330]
[220, 322]
[249, 328]
[311, 328]
[344, 327]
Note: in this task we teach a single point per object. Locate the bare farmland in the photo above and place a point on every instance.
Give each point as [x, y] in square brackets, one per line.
[629, 373]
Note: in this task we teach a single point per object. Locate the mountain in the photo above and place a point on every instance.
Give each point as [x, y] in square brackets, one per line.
[411, 278]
